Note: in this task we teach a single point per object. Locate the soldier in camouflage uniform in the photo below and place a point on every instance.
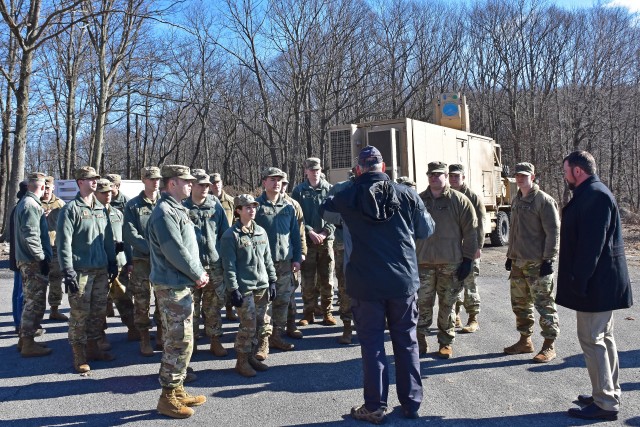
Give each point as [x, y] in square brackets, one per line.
[445, 258]
[210, 222]
[136, 215]
[469, 297]
[86, 252]
[250, 280]
[533, 245]
[33, 253]
[406, 181]
[175, 270]
[118, 199]
[52, 205]
[320, 258]
[292, 329]
[217, 190]
[278, 218]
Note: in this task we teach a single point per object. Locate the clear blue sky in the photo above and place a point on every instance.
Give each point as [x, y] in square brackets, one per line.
[632, 5]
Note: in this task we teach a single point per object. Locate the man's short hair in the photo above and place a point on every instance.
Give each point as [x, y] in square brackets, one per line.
[582, 159]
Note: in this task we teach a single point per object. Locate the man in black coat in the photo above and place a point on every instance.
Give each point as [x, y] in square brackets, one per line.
[593, 280]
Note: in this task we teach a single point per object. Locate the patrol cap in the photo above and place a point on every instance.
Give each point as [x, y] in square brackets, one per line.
[215, 177]
[114, 178]
[201, 176]
[272, 171]
[369, 156]
[177, 171]
[525, 168]
[285, 180]
[406, 181]
[456, 168]
[244, 200]
[313, 163]
[49, 181]
[150, 172]
[85, 172]
[103, 185]
[35, 176]
[437, 167]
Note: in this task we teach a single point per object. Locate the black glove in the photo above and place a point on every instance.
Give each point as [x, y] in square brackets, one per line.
[44, 268]
[507, 264]
[119, 247]
[236, 298]
[464, 269]
[70, 279]
[546, 268]
[113, 272]
[272, 291]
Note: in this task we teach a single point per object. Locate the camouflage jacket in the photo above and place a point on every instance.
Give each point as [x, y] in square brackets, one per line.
[210, 222]
[280, 222]
[116, 219]
[246, 258]
[84, 237]
[52, 210]
[481, 212]
[227, 204]
[136, 215]
[174, 253]
[310, 200]
[31, 231]
[119, 201]
[300, 218]
[455, 234]
[534, 234]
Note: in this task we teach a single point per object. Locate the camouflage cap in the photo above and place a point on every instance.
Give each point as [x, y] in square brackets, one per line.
[103, 185]
[85, 172]
[150, 172]
[215, 177]
[272, 171]
[35, 176]
[313, 163]
[244, 200]
[369, 156]
[456, 168]
[406, 181]
[201, 176]
[177, 171]
[49, 181]
[525, 169]
[285, 179]
[437, 167]
[114, 178]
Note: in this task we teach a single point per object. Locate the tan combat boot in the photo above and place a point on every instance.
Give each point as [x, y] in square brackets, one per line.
[79, 359]
[276, 341]
[307, 317]
[19, 346]
[230, 314]
[445, 351]
[547, 353]
[458, 321]
[188, 399]
[423, 346]
[292, 330]
[524, 345]
[472, 324]
[329, 320]
[170, 405]
[216, 347]
[145, 343]
[94, 352]
[159, 341]
[56, 315]
[346, 333]
[242, 365]
[30, 348]
[262, 351]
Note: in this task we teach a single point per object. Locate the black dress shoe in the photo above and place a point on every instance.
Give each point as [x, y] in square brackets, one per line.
[585, 399]
[593, 412]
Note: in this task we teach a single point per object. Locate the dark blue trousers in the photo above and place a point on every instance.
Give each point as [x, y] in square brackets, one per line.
[17, 299]
[402, 317]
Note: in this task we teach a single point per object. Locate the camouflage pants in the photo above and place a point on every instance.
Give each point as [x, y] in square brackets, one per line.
[292, 309]
[319, 262]
[529, 290]
[345, 300]
[279, 306]
[176, 311]
[141, 290]
[88, 306]
[438, 280]
[213, 297]
[34, 289]
[123, 301]
[55, 281]
[196, 295]
[253, 316]
[469, 296]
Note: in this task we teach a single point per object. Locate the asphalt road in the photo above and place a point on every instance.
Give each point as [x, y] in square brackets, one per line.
[318, 382]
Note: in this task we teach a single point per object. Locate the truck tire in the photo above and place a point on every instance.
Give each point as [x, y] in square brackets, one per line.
[500, 236]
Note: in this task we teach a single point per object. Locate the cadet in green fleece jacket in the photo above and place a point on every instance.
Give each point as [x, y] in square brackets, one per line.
[250, 278]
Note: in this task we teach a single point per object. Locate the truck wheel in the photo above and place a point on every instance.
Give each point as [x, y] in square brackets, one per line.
[500, 236]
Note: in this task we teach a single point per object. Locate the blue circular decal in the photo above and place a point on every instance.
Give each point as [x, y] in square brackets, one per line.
[450, 109]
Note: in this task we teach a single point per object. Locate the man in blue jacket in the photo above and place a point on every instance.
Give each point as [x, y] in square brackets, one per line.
[381, 272]
[593, 280]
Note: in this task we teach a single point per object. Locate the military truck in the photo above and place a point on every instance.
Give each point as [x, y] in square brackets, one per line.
[408, 145]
